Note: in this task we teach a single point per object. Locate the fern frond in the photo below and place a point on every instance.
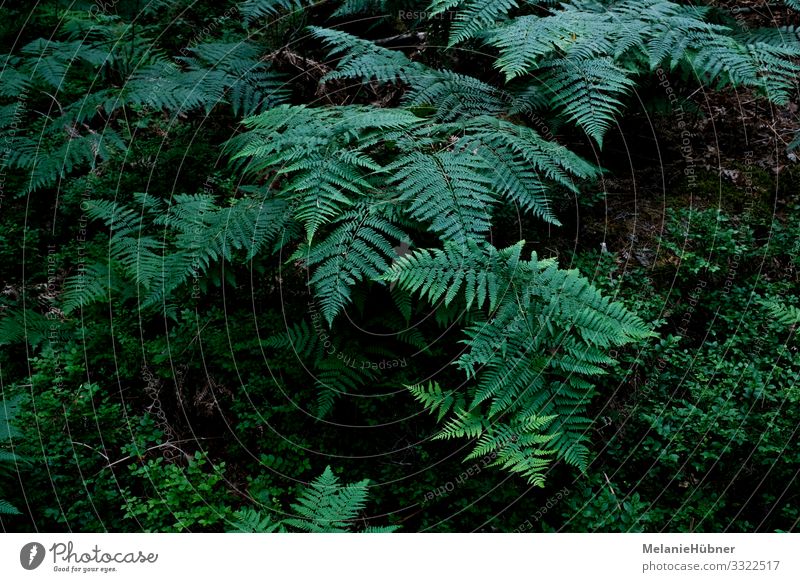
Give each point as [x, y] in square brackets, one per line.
[364, 60]
[542, 337]
[449, 190]
[13, 82]
[8, 460]
[201, 234]
[434, 399]
[93, 283]
[213, 233]
[782, 313]
[252, 10]
[381, 529]
[177, 91]
[359, 248]
[473, 17]
[251, 85]
[326, 506]
[464, 424]
[525, 41]
[335, 378]
[443, 274]
[8, 411]
[52, 160]
[780, 37]
[27, 326]
[524, 164]
[7, 509]
[253, 521]
[589, 91]
[300, 339]
[455, 96]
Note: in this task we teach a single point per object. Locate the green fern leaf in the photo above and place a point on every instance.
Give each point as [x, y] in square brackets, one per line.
[433, 399]
[449, 190]
[359, 248]
[589, 91]
[327, 506]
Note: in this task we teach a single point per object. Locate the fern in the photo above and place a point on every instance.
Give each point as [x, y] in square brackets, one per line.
[588, 53]
[335, 378]
[474, 16]
[300, 339]
[452, 95]
[54, 59]
[362, 59]
[455, 96]
[448, 176]
[28, 326]
[589, 91]
[319, 150]
[7, 509]
[324, 506]
[50, 161]
[251, 85]
[788, 315]
[328, 507]
[352, 7]
[200, 235]
[92, 284]
[543, 337]
[449, 190]
[253, 521]
[525, 42]
[9, 461]
[333, 375]
[434, 399]
[525, 167]
[252, 10]
[441, 275]
[61, 141]
[359, 248]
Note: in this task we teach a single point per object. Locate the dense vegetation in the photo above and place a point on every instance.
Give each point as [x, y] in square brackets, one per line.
[385, 265]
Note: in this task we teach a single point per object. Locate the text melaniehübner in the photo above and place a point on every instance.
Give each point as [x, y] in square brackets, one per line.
[690, 549]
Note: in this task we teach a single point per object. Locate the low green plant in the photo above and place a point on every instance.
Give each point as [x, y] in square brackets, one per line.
[178, 498]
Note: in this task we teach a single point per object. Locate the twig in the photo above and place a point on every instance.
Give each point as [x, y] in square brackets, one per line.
[169, 445]
[91, 448]
[614, 493]
[298, 61]
[420, 36]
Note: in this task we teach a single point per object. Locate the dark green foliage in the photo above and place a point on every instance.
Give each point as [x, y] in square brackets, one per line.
[9, 461]
[359, 248]
[329, 157]
[545, 334]
[254, 10]
[590, 51]
[188, 237]
[447, 190]
[183, 500]
[364, 60]
[239, 239]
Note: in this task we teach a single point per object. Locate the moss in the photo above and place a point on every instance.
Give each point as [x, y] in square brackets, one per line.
[751, 192]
